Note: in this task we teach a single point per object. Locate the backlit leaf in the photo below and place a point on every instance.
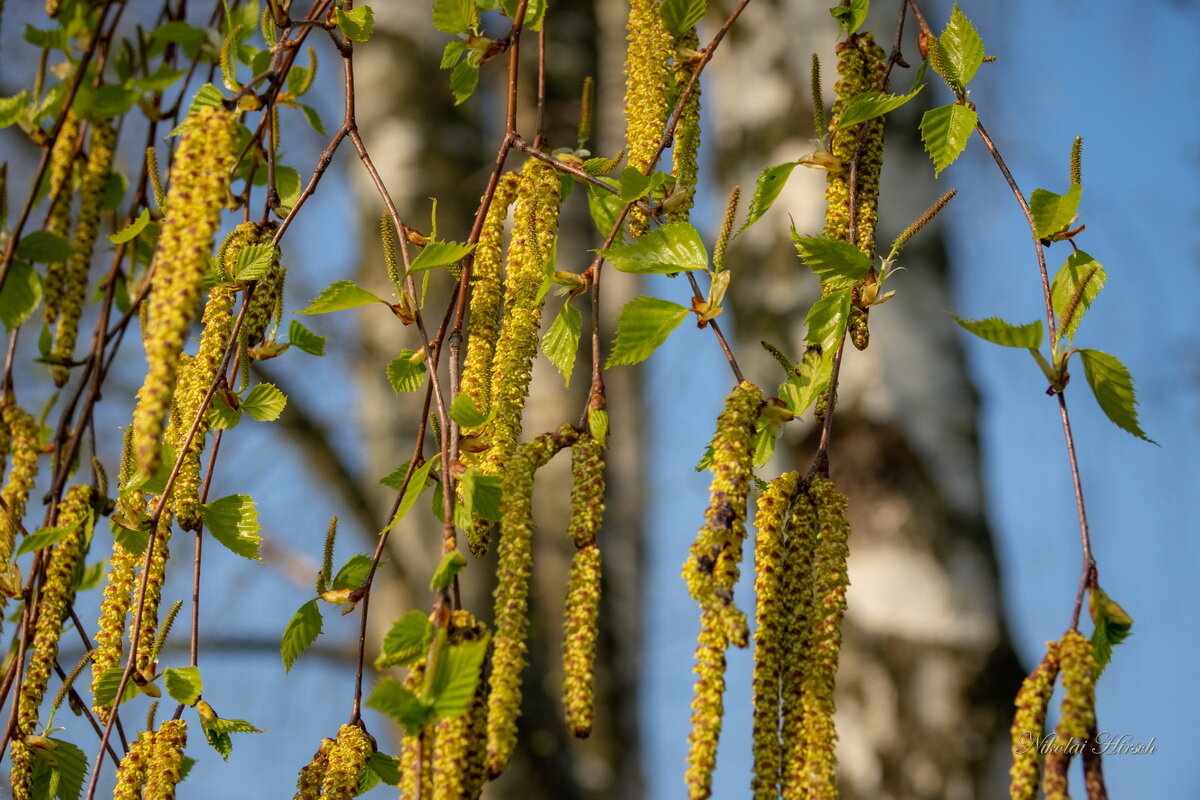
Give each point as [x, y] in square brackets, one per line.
[439, 254]
[945, 132]
[644, 324]
[341, 295]
[766, 191]
[407, 641]
[357, 23]
[997, 331]
[233, 522]
[183, 684]
[302, 630]
[869, 105]
[838, 264]
[1053, 212]
[264, 402]
[404, 374]
[561, 342]
[827, 320]
[21, 294]
[1076, 285]
[674, 247]
[1113, 387]
[455, 676]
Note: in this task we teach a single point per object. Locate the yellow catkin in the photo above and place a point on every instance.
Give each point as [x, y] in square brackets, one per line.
[266, 304]
[829, 606]
[346, 759]
[166, 758]
[24, 446]
[797, 585]
[579, 639]
[1077, 715]
[708, 706]
[74, 291]
[647, 87]
[456, 766]
[512, 592]
[687, 132]
[312, 774]
[1029, 723]
[199, 180]
[131, 774]
[770, 634]
[62, 161]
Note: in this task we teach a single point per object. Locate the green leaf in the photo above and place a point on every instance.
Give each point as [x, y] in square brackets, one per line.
[44, 247]
[217, 732]
[809, 381]
[105, 689]
[945, 132]
[961, 46]
[404, 375]
[21, 294]
[644, 324]
[314, 119]
[1113, 388]
[850, 18]
[357, 23]
[604, 208]
[162, 78]
[827, 320]
[452, 53]
[601, 166]
[301, 337]
[838, 264]
[534, 14]
[115, 186]
[302, 630]
[634, 185]
[57, 38]
[72, 766]
[453, 16]
[90, 576]
[443, 577]
[253, 261]
[132, 229]
[415, 486]
[766, 191]
[233, 522]
[598, 425]
[439, 254]
[407, 642]
[764, 444]
[183, 684]
[11, 108]
[180, 33]
[44, 537]
[386, 767]
[997, 331]
[869, 105]
[464, 412]
[680, 16]
[561, 342]
[1054, 212]
[353, 573]
[112, 101]
[463, 80]
[1076, 285]
[154, 484]
[264, 403]
[287, 185]
[221, 416]
[674, 247]
[481, 494]
[1112, 624]
[392, 698]
[455, 676]
[341, 295]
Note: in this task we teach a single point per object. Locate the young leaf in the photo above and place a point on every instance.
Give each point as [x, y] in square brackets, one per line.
[455, 676]
[301, 337]
[11, 108]
[302, 630]
[869, 105]
[810, 380]
[827, 320]
[764, 444]
[850, 17]
[353, 573]
[766, 191]
[598, 425]
[1054, 212]
[961, 46]
[71, 764]
[601, 165]
[221, 416]
[604, 208]
[404, 375]
[452, 53]
[44, 247]
[105, 689]
[464, 412]
[314, 119]
[341, 295]
[453, 16]
[439, 254]
[132, 229]
[561, 342]
[21, 294]
[386, 767]
[233, 522]
[415, 486]
[356, 23]
[253, 261]
[443, 577]
[90, 576]
[43, 537]
[217, 730]
[264, 403]
[463, 80]
[1112, 624]
[392, 698]
[997, 331]
[674, 247]
[481, 494]
[680, 16]
[1076, 285]
[183, 684]
[633, 185]
[644, 324]
[1113, 388]
[945, 132]
[838, 264]
[407, 641]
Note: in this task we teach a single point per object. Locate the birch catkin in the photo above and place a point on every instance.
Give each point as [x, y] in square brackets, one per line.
[459, 743]
[131, 774]
[24, 447]
[347, 757]
[165, 761]
[312, 774]
[797, 585]
[687, 132]
[1029, 724]
[647, 87]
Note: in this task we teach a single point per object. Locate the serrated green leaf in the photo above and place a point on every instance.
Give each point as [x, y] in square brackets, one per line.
[233, 522]
[183, 684]
[561, 342]
[339, 296]
[404, 375]
[439, 254]
[407, 641]
[598, 425]
[604, 208]
[451, 564]
[633, 185]
[415, 486]
[961, 46]
[455, 676]
[766, 191]
[44, 537]
[452, 53]
[535, 12]
[463, 80]
[386, 767]
[221, 416]
[105, 689]
[1113, 387]
[809, 381]
[301, 337]
[254, 260]
[11, 108]
[464, 412]
[314, 119]
[453, 16]
[287, 185]
[1112, 624]
[56, 38]
[481, 494]
[1076, 285]
[112, 101]
[353, 573]
[997, 331]
[764, 444]
[132, 229]
[1054, 212]
[302, 630]
[680, 16]
[233, 726]
[644, 324]
[357, 23]
[44, 247]
[850, 17]
[869, 105]
[20, 296]
[838, 264]
[827, 320]
[392, 698]
[71, 764]
[264, 403]
[675, 247]
[601, 166]
[945, 132]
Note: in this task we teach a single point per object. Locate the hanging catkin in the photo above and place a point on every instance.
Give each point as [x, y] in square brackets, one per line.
[459, 743]
[131, 774]
[312, 774]
[58, 222]
[647, 87]
[1029, 724]
[165, 761]
[800, 540]
[347, 757]
[687, 132]
[1077, 714]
